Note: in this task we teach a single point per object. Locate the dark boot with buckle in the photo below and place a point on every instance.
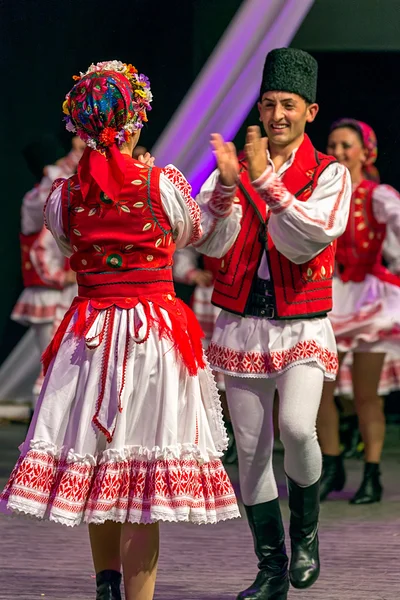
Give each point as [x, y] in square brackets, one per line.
[304, 511]
[333, 476]
[108, 584]
[272, 582]
[371, 488]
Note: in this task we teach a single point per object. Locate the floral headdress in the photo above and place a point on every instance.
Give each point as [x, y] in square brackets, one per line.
[108, 103]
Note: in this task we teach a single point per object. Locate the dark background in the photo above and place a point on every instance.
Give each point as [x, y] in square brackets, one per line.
[44, 42]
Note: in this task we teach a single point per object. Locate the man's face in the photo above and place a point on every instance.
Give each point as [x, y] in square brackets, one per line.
[284, 116]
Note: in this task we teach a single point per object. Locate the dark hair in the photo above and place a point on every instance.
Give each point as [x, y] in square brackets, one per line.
[348, 124]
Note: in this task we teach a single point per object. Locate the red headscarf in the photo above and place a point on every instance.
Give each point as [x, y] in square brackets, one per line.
[370, 144]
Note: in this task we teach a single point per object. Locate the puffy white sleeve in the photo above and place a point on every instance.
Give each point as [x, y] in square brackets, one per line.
[301, 230]
[53, 219]
[386, 207]
[221, 215]
[34, 201]
[48, 260]
[391, 250]
[31, 212]
[182, 211]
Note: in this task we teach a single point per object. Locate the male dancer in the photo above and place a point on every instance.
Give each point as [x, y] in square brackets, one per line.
[274, 286]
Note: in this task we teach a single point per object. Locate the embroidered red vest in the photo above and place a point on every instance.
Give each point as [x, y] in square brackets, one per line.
[122, 248]
[359, 249]
[30, 276]
[301, 291]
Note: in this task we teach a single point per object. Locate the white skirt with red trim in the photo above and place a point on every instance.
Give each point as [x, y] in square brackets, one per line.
[36, 305]
[122, 432]
[257, 347]
[366, 315]
[389, 381]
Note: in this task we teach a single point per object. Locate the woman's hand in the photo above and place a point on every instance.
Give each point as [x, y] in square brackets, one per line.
[146, 159]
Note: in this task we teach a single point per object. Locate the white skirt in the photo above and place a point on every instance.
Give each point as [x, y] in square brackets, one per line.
[64, 302]
[164, 429]
[36, 305]
[389, 380]
[256, 347]
[366, 315]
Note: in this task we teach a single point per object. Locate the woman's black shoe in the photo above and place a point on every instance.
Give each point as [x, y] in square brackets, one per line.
[371, 488]
[272, 582]
[333, 476]
[108, 585]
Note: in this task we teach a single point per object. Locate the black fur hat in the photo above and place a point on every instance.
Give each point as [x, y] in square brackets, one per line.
[290, 70]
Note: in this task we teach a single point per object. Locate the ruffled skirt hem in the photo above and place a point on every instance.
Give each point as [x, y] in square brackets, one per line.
[130, 486]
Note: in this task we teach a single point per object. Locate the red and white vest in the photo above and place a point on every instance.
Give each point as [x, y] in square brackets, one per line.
[359, 249]
[122, 254]
[122, 248]
[30, 277]
[301, 291]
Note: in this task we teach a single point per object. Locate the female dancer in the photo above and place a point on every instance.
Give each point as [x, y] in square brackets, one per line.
[366, 308]
[128, 430]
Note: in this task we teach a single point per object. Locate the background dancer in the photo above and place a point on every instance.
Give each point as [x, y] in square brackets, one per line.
[366, 308]
[44, 269]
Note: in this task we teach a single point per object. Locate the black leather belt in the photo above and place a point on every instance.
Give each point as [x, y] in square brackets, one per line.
[261, 300]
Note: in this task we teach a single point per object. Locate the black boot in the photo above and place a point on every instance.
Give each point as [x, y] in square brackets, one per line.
[108, 584]
[304, 510]
[333, 476]
[272, 582]
[371, 488]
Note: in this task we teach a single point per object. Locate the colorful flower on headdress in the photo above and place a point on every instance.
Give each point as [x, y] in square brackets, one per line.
[107, 104]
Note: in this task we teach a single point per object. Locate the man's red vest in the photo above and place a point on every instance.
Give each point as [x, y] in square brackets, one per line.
[301, 291]
[359, 249]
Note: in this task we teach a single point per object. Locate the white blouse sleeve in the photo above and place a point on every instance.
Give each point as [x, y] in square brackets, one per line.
[48, 260]
[221, 215]
[31, 212]
[386, 207]
[301, 230]
[391, 250]
[54, 222]
[182, 211]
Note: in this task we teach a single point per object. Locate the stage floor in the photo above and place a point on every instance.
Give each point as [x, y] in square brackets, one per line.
[360, 547]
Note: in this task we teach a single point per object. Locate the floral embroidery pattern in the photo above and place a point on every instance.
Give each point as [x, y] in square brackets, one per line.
[179, 181]
[134, 489]
[262, 363]
[220, 204]
[274, 193]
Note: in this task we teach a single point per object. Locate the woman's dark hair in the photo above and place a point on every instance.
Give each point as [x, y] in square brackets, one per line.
[348, 124]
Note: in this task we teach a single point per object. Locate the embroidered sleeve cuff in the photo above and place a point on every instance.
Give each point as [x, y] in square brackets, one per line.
[220, 204]
[274, 193]
[179, 181]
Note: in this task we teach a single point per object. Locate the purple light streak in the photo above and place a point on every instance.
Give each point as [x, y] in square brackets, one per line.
[228, 85]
